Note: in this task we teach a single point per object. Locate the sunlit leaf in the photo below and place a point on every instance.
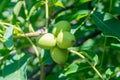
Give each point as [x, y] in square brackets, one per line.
[81, 16]
[84, 1]
[0, 35]
[95, 60]
[17, 8]
[108, 72]
[115, 45]
[60, 4]
[70, 69]
[87, 45]
[9, 37]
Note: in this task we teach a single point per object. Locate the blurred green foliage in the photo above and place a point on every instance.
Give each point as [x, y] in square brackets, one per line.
[26, 16]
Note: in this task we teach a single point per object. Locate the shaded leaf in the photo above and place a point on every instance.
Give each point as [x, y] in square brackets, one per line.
[107, 23]
[54, 1]
[3, 5]
[46, 57]
[9, 37]
[4, 52]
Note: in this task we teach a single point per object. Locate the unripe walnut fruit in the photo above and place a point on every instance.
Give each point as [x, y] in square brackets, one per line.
[46, 41]
[61, 26]
[65, 40]
[60, 56]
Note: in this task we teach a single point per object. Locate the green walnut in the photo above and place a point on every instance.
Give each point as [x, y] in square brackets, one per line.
[47, 41]
[65, 40]
[60, 56]
[61, 26]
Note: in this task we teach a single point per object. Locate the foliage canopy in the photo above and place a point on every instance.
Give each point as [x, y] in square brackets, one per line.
[94, 23]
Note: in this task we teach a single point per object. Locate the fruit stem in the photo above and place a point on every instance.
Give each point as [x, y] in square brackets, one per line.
[47, 16]
[81, 56]
[42, 74]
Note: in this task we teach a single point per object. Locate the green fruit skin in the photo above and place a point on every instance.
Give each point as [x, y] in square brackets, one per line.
[65, 40]
[47, 41]
[61, 26]
[58, 55]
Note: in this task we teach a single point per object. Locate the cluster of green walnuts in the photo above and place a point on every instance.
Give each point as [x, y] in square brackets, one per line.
[58, 41]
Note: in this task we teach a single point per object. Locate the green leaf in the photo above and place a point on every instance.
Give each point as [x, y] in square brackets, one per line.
[80, 14]
[35, 7]
[3, 5]
[69, 70]
[92, 56]
[15, 69]
[60, 4]
[9, 37]
[0, 35]
[46, 57]
[115, 45]
[87, 45]
[108, 72]
[84, 1]
[4, 52]
[95, 60]
[54, 1]
[107, 23]
[17, 8]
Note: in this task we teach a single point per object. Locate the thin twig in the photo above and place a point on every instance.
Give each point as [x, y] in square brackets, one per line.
[94, 68]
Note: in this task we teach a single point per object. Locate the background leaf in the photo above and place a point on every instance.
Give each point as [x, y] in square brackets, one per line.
[107, 23]
[17, 8]
[15, 69]
[3, 5]
[9, 37]
[70, 69]
[60, 4]
[35, 7]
